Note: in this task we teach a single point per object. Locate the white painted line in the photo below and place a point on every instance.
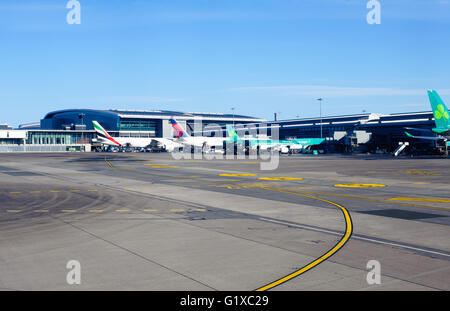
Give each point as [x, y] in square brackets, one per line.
[301, 226]
[356, 237]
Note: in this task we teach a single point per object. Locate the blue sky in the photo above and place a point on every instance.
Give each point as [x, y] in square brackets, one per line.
[260, 56]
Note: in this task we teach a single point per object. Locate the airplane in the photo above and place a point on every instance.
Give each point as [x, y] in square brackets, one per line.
[283, 146]
[134, 142]
[441, 120]
[203, 142]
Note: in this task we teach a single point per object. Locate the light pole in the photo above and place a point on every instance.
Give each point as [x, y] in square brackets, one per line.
[320, 100]
[232, 109]
[81, 117]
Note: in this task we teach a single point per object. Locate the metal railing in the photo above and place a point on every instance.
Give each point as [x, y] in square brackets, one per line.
[34, 148]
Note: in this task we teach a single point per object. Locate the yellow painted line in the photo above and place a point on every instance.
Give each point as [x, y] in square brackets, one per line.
[55, 191]
[92, 190]
[350, 196]
[200, 210]
[74, 190]
[96, 211]
[109, 163]
[230, 186]
[122, 210]
[134, 171]
[176, 210]
[68, 211]
[280, 178]
[420, 200]
[359, 185]
[235, 175]
[195, 176]
[41, 211]
[328, 254]
[158, 164]
[168, 166]
[371, 172]
[13, 210]
[150, 210]
[15, 192]
[373, 199]
[420, 173]
[421, 183]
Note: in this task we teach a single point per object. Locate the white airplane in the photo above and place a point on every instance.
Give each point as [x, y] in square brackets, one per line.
[195, 141]
[135, 142]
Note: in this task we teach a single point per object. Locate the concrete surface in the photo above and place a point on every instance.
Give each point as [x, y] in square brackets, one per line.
[144, 221]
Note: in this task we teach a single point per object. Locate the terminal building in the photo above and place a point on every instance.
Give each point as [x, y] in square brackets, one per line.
[369, 132]
[72, 130]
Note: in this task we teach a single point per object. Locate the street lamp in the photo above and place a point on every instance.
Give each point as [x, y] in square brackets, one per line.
[320, 100]
[81, 117]
[232, 109]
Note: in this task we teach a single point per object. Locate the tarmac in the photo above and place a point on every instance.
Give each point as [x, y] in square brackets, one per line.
[146, 221]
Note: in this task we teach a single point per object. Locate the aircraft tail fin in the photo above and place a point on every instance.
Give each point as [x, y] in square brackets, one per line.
[440, 112]
[178, 129]
[232, 133]
[103, 134]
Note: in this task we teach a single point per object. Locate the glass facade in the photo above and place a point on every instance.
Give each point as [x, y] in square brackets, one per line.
[11, 141]
[140, 125]
[59, 138]
[137, 125]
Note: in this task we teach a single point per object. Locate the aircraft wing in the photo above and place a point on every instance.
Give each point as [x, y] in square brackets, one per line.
[434, 138]
[430, 132]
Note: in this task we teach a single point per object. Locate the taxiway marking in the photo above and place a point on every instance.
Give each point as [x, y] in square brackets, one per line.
[280, 178]
[359, 185]
[344, 239]
[237, 174]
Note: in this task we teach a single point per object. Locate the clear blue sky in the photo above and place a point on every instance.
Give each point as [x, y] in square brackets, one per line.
[259, 56]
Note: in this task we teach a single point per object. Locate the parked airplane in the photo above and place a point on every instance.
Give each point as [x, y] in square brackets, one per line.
[184, 138]
[134, 142]
[284, 146]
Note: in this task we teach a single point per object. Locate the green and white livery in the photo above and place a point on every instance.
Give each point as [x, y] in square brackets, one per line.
[284, 146]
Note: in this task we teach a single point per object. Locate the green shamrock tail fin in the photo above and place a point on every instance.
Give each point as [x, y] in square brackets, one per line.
[440, 112]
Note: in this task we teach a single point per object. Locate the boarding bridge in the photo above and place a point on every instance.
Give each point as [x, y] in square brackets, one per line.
[401, 147]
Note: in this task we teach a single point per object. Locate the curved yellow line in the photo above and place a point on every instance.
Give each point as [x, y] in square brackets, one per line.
[335, 249]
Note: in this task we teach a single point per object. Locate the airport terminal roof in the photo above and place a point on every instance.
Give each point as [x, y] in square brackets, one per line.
[125, 113]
